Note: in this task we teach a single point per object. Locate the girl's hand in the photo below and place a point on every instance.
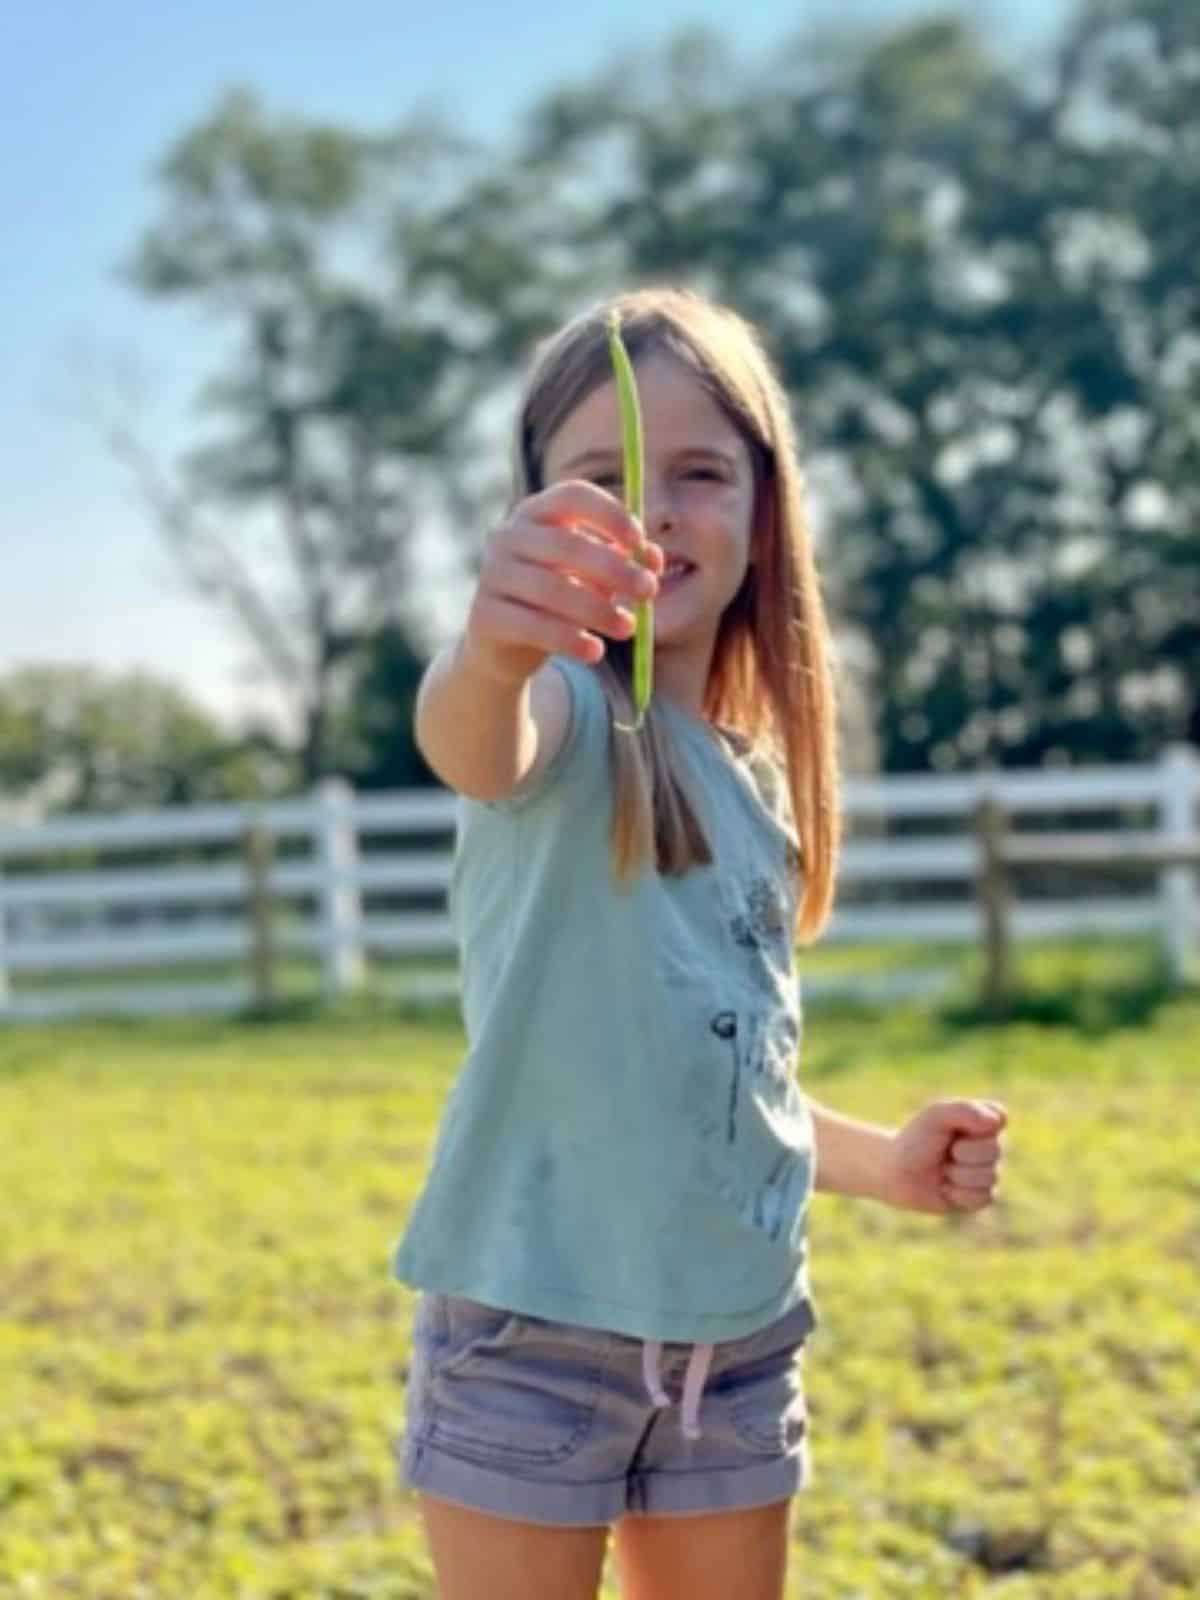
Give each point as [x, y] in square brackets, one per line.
[559, 572]
[947, 1157]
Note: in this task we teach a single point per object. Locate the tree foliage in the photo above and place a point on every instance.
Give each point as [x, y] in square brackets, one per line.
[74, 738]
[976, 280]
[338, 403]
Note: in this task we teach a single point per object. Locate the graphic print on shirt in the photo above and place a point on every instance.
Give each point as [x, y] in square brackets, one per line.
[760, 929]
[756, 1132]
[724, 1025]
[758, 1046]
[756, 1109]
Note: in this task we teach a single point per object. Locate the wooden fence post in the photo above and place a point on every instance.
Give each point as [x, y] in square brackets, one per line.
[994, 902]
[259, 857]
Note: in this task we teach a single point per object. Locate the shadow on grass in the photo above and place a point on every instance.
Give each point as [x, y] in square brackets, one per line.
[1093, 1012]
[317, 1011]
[1080, 995]
[1091, 998]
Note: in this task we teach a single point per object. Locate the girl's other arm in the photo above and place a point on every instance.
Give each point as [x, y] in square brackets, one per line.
[852, 1157]
[946, 1157]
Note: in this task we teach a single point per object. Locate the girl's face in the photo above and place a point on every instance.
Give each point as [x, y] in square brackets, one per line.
[699, 504]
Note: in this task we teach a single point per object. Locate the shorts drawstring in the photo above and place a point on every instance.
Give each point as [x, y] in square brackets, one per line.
[693, 1384]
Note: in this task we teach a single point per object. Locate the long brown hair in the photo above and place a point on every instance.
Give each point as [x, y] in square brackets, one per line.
[771, 678]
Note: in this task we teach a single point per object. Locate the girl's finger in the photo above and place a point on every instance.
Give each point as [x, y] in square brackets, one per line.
[562, 597]
[574, 500]
[966, 1199]
[575, 549]
[512, 622]
[975, 1150]
[972, 1177]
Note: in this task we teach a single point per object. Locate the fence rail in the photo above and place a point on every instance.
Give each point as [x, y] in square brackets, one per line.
[347, 881]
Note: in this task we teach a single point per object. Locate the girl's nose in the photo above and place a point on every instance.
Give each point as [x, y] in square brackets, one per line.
[659, 511]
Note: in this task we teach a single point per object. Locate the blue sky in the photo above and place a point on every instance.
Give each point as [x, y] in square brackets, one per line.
[91, 97]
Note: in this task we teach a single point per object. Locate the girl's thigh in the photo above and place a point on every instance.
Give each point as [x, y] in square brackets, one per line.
[712, 1555]
[475, 1554]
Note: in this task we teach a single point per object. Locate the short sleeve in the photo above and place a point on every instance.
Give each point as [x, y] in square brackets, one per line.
[580, 764]
[771, 782]
[774, 790]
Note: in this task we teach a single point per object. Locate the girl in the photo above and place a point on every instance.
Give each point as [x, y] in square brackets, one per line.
[611, 1241]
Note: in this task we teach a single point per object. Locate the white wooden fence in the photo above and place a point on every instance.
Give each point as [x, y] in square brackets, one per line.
[70, 910]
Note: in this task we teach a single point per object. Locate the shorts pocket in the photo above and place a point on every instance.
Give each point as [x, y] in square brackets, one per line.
[511, 1390]
[767, 1406]
[469, 1331]
[773, 1418]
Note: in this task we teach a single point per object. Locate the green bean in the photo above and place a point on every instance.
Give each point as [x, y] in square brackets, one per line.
[635, 471]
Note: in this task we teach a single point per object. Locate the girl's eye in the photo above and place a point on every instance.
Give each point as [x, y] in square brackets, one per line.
[605, 480]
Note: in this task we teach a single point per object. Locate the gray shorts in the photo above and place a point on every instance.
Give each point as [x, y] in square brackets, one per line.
[551, 1423]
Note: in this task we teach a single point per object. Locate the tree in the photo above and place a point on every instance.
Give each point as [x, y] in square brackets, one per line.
[373, 739]
[340, 407]
[1138, 113]
[76, 739]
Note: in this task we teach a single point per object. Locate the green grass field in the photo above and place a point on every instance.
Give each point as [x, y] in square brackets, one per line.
[202, 1354]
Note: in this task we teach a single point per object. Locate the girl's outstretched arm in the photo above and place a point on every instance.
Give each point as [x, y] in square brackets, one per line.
[485, 735]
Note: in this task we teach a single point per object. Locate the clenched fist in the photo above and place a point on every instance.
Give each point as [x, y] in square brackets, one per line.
[946, 1158]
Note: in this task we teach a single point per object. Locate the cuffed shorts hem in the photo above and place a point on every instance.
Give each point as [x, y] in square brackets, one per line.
[668, 1494]
[583, 1505]
[437, 1472]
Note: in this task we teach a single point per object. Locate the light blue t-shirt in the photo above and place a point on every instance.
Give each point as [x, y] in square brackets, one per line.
[625, 1146]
